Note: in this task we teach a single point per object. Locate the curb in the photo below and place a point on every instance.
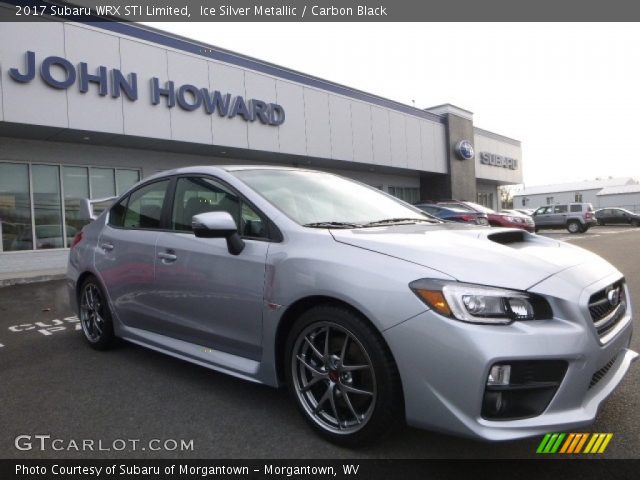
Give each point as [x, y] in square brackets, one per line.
[8, 282]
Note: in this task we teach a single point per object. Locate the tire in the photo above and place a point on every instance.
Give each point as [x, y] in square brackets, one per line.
[635, 223]
[574, 226]
[536, 230]
[95, 315]
[328, 390]
[601, 223]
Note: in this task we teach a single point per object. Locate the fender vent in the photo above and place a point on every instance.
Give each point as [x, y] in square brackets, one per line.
[599, 375]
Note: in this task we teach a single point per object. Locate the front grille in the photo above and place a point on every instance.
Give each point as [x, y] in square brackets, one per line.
[599, 375]
[607, 307]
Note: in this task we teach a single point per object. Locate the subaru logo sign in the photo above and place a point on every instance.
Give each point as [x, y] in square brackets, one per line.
[464, 150]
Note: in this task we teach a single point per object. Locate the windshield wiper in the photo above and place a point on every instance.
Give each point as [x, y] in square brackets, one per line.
[332, 225]
[388, 221]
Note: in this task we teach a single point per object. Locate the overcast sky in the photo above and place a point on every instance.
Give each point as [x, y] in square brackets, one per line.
[569, 92]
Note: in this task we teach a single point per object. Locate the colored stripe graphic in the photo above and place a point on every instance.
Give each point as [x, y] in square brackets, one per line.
[573, 443]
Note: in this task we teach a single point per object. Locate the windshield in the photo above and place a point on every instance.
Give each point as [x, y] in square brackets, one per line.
[310, 198]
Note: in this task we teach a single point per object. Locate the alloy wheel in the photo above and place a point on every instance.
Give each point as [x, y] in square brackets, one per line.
[91, 312]
[333, 378]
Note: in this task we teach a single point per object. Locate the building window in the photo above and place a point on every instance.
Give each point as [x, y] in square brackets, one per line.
[40, 203]
[578, 197]
[103, 183]
[47, 207]
[15, 208]
[485, 199]
[549, 200]
[408, 194]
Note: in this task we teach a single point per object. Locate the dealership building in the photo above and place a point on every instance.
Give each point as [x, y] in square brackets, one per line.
[89, 109]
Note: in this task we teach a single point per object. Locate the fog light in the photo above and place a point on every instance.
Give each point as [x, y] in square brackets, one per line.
[493, 404]
[521, 389]
[499, 375]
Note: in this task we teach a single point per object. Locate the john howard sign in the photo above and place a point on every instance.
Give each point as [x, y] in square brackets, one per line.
[59, 73]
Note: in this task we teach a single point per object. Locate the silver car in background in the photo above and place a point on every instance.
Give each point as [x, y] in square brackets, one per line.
[370, 311]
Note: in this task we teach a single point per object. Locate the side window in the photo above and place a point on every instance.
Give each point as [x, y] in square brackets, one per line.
[195, 195]
[116, 215]
[144, 207]
[576, 208]
[560, 209]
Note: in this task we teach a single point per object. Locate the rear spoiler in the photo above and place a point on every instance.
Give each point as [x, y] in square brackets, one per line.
[90, 209]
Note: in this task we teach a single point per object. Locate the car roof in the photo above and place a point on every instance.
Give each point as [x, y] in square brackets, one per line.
[217, 169]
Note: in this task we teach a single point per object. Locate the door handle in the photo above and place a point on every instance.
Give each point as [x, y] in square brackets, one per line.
[106, 246]
[168, 256]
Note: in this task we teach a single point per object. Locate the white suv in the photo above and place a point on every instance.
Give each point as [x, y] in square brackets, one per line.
[575, 217]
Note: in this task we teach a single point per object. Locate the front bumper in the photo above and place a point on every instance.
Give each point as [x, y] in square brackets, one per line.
[444, 365]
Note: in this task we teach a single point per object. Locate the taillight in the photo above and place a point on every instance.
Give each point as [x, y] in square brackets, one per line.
[465, 218]
[77, 239]
[588, 215]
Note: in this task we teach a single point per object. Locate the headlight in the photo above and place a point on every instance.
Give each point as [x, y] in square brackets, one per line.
[480, 304]
[515, 219]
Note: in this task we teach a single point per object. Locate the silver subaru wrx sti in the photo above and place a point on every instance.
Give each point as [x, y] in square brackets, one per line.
[368, 309]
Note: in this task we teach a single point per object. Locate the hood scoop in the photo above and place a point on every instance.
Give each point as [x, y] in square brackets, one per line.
[510, 237]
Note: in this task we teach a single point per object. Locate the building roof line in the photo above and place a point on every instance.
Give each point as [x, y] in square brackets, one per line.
[585, 185]
[170, 40]
[497, 136]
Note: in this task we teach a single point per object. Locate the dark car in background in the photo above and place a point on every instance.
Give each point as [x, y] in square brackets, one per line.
[617, 216]
[496, 219]
[454, 214]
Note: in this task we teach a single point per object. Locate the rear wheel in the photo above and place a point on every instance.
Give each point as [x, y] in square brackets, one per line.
[635, 223]
[574, 226]
[342, 376]
[95, 316]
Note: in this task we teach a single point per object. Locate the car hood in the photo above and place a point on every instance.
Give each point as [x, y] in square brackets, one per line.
[491, 256]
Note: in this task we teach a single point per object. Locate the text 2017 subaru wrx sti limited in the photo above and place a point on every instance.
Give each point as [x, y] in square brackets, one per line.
[368, 309]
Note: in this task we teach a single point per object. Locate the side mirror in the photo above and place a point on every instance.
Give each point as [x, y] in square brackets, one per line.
[218, 225]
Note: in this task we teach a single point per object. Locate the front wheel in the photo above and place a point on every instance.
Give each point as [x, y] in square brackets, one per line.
[574, 226]
[95, 316]
[635, 223]
[342, 376]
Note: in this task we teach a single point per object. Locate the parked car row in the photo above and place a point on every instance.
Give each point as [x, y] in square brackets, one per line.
[469, 212]
[575, 217]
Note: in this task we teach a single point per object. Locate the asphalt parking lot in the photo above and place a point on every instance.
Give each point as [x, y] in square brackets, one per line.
[52, 383]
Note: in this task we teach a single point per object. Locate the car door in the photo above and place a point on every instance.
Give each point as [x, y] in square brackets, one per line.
[125, 255]
[619, 217]
[542, 216]
[560, 215]
[204, 294]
